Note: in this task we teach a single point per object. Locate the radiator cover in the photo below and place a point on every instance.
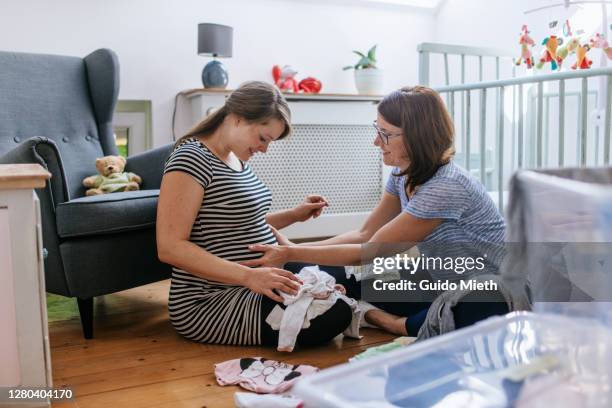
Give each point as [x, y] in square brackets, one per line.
[339, 162]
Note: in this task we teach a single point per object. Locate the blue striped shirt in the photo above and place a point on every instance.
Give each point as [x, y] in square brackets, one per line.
[471, 223]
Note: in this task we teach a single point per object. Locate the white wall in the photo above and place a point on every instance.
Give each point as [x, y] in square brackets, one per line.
[156, 41]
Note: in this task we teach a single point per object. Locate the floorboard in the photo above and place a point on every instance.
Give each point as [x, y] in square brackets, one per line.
[136, 359]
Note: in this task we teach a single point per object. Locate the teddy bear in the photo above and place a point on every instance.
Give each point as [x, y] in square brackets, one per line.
[111, 177]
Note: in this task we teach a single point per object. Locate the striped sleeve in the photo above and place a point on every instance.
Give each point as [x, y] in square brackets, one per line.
[391, 186]
[440, 197]
[191, 159]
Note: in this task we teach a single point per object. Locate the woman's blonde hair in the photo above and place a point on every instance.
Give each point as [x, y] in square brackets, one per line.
[254, 101]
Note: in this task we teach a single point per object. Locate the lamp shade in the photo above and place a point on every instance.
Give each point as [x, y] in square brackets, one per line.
[215, 40]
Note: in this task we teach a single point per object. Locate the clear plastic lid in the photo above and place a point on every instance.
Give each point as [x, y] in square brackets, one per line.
[521, 359]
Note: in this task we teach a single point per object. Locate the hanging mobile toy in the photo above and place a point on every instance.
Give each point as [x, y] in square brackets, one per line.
[568, 49]
[582, 61]
[599, 41]
[567, 30]
[526, 43]
[550, 53]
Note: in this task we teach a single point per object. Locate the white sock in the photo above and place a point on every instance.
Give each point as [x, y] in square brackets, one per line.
[365, 307]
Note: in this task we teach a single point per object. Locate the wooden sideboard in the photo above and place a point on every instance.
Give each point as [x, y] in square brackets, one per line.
[24, 339]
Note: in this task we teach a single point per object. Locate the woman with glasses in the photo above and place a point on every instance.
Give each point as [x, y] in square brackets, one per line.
[428, 200]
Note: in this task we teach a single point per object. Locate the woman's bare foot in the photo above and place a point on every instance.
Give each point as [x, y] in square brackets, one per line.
[387, 321]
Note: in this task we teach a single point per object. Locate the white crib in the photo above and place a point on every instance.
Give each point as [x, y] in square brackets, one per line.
[538, 119]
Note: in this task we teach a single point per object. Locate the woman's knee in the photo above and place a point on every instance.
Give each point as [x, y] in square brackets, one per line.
[478, 306]
[343, 314]
[325, 327]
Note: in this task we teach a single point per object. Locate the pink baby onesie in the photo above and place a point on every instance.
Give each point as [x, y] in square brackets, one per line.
[260, 375]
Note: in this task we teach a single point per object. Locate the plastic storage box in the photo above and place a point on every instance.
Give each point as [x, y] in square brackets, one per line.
[560, 232]
[521, 359]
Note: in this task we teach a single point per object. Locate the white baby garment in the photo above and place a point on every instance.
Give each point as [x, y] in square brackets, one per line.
[315, 297]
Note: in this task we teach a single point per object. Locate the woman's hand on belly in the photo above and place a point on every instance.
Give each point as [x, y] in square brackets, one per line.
[273, 256]
[266, 281]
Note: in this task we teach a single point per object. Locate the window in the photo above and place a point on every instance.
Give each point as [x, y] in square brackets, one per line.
[132, 127]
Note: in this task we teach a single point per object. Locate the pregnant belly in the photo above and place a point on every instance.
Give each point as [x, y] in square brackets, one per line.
[236, 249]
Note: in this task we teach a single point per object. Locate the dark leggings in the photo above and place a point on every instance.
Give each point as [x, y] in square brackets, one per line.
[465, 313]
[322, 329]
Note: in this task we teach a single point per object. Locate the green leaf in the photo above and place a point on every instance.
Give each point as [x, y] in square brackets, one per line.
[364, 61]
[348, 67]
[372, 53]
[361, 54]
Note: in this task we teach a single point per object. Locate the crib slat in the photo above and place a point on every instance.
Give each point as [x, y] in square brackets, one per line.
[467, 130]
[424, 68]
[446, 68]
[452, 105]
[583, 122]
[607, 121]
[513, 122]
[561, 122]
[500, 150]
[520, 126]
[539, 125]
[513, 129]
[483, 124]
[496, 92]
[496, 68]
[546, 131]
[464, 138]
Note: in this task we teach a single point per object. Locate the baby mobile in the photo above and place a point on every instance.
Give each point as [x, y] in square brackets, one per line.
[558, 49]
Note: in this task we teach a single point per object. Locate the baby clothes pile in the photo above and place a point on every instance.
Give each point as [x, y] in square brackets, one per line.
[315, 297]
[263, 376]
[260, 375]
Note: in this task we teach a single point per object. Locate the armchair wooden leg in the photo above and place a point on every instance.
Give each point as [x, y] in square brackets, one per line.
[86, 311]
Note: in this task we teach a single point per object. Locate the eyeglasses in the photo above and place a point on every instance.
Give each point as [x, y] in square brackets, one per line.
[384, 136]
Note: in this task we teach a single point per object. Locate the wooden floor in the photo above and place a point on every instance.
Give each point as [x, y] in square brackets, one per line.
[136, 359]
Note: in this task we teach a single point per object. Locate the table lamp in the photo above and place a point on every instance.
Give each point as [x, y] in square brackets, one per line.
[215, 40]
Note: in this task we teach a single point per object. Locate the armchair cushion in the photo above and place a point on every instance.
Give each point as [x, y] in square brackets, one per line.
[107, 213]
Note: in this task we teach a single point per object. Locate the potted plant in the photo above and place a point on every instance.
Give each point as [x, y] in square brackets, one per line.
[368, 78]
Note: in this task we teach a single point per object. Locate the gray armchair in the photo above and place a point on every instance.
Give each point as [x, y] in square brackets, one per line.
[57, 111]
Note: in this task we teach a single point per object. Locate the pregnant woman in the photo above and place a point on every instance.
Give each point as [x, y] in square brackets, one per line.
[212, 207]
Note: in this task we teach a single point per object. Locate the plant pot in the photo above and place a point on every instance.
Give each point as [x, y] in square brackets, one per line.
[369, 81]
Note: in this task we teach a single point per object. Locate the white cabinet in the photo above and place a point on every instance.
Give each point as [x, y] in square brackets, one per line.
[330, 152]
[24, 338]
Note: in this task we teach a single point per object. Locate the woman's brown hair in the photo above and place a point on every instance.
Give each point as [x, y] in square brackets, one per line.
[427, 131]
[254, 101]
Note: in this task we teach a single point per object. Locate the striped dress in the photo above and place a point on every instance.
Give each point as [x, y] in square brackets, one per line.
[231, 217]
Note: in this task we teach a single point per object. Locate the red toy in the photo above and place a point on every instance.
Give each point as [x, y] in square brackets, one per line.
[284, 78]
[310, 85]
